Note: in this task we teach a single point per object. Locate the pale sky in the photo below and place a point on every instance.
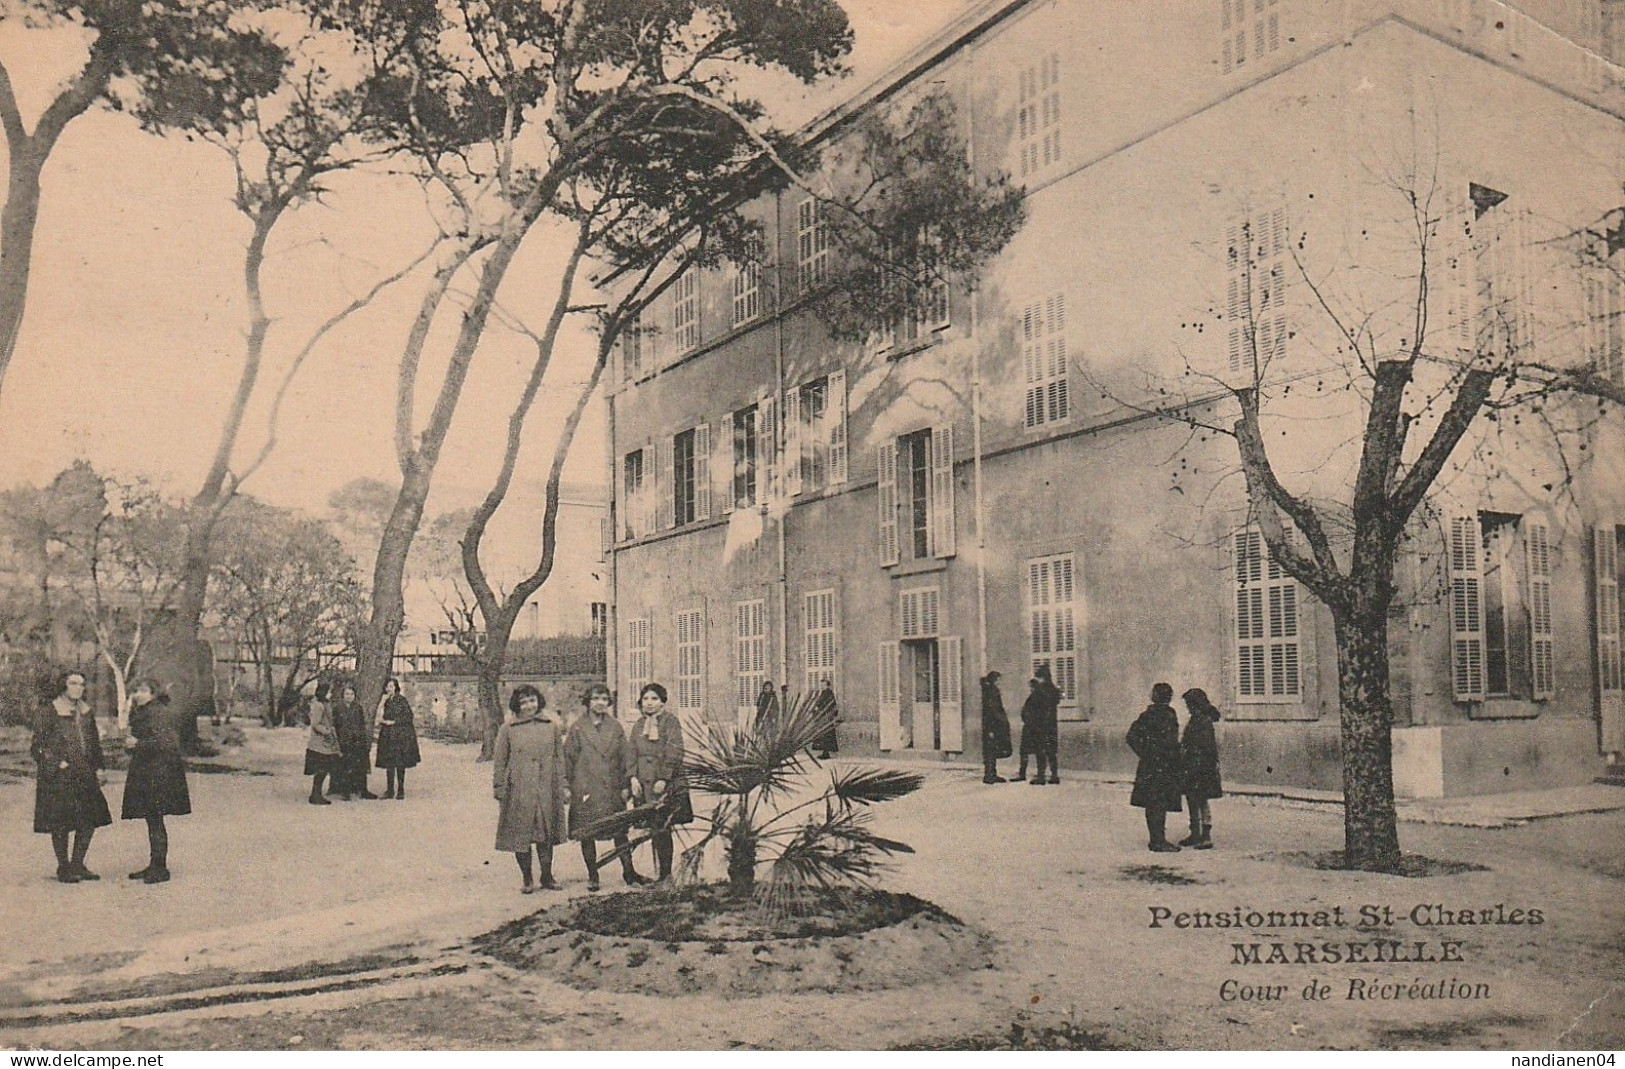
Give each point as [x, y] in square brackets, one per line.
[134, 333]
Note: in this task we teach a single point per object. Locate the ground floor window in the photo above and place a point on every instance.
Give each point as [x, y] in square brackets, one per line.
[690, 661]
[1268, 651]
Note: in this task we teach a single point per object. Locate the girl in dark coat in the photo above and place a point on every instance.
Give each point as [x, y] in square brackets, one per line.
[350, 723]
[155, 787]
[767, 707]
[995, 729]
[595, 764]
[1154, 738]
[527, 778]
[1199, 750]
[68, 793]
[1039, 726]
[657, 771]
[825, 705]
[397, 740]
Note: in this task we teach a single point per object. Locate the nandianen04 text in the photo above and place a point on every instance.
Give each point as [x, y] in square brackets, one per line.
[1422, 914]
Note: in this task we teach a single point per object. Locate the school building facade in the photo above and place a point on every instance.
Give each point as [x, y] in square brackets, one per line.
[992, 484]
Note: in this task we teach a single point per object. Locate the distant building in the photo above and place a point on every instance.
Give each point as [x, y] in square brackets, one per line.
[971, 492]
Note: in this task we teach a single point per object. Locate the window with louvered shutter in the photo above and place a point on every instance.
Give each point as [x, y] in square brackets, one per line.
[634, 509]
[747, 288]
[1467, 682]
[1606, 625]
[1045, 361]
[1247, 29]
[702, 472]
[918, 612]
[632, 350]
[1053, 613]
[1269, 653]
[1038, 116]
[836, 417]
[886, 465]
[888, 696]
[1605, 323]
[941, 504]
[745, 488]
[813, 434]
[750, 652]
[1255, 291]
[664, 479]
[685, 311]
[1538, 551]
[639, 655]
[820, 657]
[690, 660]
[812, 244]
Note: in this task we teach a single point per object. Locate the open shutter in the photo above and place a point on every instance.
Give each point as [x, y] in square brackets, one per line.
[942, 491]
[952, 702]
[649, 492]
[835, 413]
[886, 463]
[668, 500]
[891, 708]
[1538, 551]
[1460, 271]
[722, 461]
[1610, 699]
[767, 449]
[702, 472]
[1466, 609]
[792, 441]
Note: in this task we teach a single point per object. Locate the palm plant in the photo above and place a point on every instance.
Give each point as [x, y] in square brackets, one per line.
[821, 842]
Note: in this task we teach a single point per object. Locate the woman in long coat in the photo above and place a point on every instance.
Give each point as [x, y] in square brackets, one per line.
[995, 729]
[527, 777]
[321, 746]
[350, 722]
[1039, 726]
[826, 706]
[1199, 750]
[155, 786]
[657, 771]
[1154, 738]
[397, 740]
[595, 763]
[68, 794]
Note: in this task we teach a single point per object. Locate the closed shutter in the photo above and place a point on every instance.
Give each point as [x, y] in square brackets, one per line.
[792, 441]
[1466, 609]
[1538, 550]
[1460, 275]
[1235, 305]
[767, 449]
[886, 463]
[835, 413]
[891, 707]
[702, 472]
[668, 498]
[942, 491]
[1610, 699]
[952, 703]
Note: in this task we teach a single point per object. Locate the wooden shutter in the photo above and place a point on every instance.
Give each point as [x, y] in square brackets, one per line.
[1460, 276]
[891, 707]
[835, 413]
[792, 441]
[1466, 551]
[952, 701]
[702, 472]
[1235, 317]
[942, 491]
[723, 459]
[1538, 553]
[886, 463]
[767, 449]
[667, 516]
[1610, 699]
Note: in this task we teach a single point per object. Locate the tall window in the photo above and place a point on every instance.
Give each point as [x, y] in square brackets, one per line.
[815, 434]
[1038, 115]
[1045, 359]
[1501, 601]
[1605, 331]
[745, 484]
[1255, 289]
[599, 613]
[820, 655]
[914, 452]
[691, 475]
[814, 409]
[634, 491]
[1250, 29]
[1268, 655]
[639, 654]
[812, 244]
[747, 292]
[632, 350]
[916, 495]
[690, 660]
[1052, 618]
[685, 311]
[750, 651]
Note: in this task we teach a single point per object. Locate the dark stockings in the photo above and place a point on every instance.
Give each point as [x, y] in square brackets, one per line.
[316, 782]
[81, 846]
[59, 843]
[1156, 825]
[589, 854]
[544, 855]
[158, 842]
[663, 851]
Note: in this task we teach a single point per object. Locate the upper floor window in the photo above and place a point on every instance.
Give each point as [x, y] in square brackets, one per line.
[1249, 29]
[1045, 361]
[812, 244]
[1605, 332]
[685, 477]
[916, 495]
[746, 483]
[1038, 115]
[1255, 291]
[747, 292]
[685, 311]
[599, 613]
[685, 485]
[634, 495]
[632, 350]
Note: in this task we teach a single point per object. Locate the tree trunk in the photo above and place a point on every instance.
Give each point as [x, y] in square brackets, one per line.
[490, 694]
[742, 858]
[17, 223]
[1370, 827]
[376, 655]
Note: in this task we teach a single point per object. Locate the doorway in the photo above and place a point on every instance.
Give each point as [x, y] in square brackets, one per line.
[922, 695]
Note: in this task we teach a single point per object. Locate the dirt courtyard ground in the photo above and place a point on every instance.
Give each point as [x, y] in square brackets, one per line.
[289, 926]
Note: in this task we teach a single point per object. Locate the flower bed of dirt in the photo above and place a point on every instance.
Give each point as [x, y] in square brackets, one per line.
[699, 939]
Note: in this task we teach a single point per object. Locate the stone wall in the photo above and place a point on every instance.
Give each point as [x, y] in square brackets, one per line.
[450, 704]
